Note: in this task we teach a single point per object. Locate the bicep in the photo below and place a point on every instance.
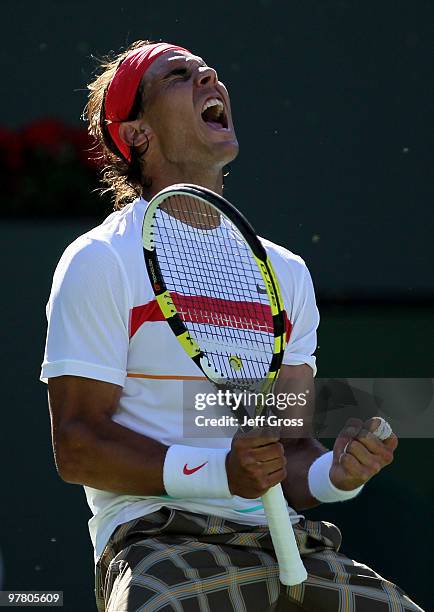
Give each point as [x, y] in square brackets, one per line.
[296, 372]
[78, 409]
[74, 398]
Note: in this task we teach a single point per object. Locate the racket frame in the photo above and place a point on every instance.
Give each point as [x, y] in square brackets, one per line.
[166, 303]
[291, 568]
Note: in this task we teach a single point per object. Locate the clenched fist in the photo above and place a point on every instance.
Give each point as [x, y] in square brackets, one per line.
[255, 463]
[358, 454]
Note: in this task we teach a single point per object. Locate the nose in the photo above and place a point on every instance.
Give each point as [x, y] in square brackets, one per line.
[206, 76]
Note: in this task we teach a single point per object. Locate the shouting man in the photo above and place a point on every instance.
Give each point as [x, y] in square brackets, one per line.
[161, 116]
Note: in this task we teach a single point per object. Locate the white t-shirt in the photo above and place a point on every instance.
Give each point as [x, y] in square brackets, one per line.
[104, 323]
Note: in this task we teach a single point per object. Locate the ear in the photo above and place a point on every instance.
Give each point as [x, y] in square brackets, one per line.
[134, 133]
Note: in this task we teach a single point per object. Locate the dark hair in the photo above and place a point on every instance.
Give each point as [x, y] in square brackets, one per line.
[122, 179]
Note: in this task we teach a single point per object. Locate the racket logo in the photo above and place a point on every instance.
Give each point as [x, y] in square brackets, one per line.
[260, 289]
[153, 274]
[235, 362]
[187, 471]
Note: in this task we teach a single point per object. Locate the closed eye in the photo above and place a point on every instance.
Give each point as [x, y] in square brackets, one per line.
[178, 72]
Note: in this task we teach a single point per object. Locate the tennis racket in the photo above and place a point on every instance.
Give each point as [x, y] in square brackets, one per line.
[218, 292]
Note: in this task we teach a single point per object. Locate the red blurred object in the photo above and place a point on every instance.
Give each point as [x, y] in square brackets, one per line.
[54, 136]
[87, 149]
[49, 168]
[10, 150]
[48, 134]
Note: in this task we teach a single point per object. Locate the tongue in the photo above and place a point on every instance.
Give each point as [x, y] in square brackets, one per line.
[214, 124]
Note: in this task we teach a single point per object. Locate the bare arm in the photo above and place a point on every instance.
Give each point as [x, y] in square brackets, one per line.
[93, 450]
[302, 448]
[358, 454]
[300, 454]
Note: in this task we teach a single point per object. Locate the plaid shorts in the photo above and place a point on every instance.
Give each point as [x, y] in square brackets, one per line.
[173, 561]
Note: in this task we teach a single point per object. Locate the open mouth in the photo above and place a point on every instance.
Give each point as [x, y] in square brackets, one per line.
[213, 114]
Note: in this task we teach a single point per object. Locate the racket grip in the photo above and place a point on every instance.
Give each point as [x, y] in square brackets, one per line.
[291, 568]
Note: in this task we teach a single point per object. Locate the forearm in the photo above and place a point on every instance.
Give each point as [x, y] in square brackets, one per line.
[300, 454]
[114, 459]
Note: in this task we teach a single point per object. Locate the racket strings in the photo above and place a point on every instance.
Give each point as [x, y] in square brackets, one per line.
[220, 314]
[216, 286]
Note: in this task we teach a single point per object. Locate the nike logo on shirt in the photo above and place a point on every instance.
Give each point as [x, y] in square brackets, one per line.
[187, 471]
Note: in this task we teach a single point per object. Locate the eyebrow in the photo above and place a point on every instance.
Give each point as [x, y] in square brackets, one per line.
[199, 60]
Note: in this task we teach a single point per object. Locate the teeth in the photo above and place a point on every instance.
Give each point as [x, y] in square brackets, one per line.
[213, 102]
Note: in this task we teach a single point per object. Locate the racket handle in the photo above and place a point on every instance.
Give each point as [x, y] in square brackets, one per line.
[291, 568]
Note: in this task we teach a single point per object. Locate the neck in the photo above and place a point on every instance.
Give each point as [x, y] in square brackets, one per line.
[211, 179]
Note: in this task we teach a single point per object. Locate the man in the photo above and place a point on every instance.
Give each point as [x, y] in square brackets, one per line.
[162, 116]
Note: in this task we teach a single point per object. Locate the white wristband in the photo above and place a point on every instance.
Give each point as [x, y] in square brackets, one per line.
[320, 485]
[196, 472]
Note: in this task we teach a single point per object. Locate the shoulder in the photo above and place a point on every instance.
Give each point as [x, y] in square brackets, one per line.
[295, 281]
[286, 263]
[120, 231]
[106, 247]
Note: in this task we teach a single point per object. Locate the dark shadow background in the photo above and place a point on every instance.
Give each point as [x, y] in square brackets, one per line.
[333, 103]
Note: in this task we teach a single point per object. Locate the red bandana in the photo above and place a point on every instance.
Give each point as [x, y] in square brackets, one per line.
[121, 92]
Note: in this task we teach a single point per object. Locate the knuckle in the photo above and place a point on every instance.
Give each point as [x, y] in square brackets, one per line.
[247, 458]
[388, 457]
[376, 466]
[391, 443]
[364, 434]
[252, 469]
[354, 424]
[243, 461]
[350, 432]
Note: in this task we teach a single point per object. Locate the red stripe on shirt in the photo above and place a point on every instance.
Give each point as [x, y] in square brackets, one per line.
[214, 311]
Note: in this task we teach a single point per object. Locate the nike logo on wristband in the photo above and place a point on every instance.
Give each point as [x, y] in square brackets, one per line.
[187, 471]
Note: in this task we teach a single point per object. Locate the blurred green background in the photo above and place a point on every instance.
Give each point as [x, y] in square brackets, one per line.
[333, 106]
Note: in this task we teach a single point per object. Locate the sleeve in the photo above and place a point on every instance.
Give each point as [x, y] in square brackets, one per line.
[305, 320]
[88, 315]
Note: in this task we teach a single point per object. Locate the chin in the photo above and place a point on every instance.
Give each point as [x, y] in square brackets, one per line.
[227, 151]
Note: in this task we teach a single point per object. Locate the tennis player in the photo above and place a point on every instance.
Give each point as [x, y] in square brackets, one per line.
[115, 374]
